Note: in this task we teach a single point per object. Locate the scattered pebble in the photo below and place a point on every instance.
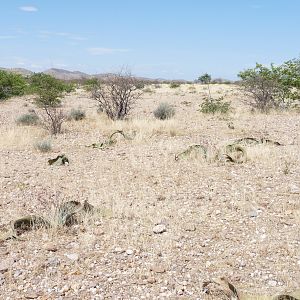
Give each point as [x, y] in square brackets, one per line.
[160, 228]
[72, 256]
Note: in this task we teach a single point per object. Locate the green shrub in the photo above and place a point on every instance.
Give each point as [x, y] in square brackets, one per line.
[174, 85]
[28, 119]
[11, 85]
[43, 146]
[77, 114]
[41, 81]
[49, 93]
[164, 111]
[212, 106]
[272, 87]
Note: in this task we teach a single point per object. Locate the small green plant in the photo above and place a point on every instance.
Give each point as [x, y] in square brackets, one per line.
[43, 146]
[28, 119]
[164, 111]
[11, 85]
[174, 85]
[77, 114]
[212, 106]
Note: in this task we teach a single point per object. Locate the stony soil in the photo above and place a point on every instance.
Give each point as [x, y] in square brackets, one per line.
[165, 227]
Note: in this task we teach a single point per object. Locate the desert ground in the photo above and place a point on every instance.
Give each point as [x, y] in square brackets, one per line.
[217, 218]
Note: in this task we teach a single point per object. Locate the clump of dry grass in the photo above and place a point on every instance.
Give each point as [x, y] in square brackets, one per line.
[20, 137]
[139, 128]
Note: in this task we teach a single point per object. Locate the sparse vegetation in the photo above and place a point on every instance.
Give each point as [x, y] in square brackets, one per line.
[164, 111]
[11, 85]
[28, 119]
[212, 106]
[148, 90]
[90, 84]
[43, 146]
[117, 94]
[77, 114]
[174, 85]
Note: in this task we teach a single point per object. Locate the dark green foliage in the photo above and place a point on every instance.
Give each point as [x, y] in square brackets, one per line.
[28, 119]
[11, 84]
[212, 106]
[205, 78]
[164, 111]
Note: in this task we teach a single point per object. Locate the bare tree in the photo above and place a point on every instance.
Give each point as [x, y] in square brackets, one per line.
[116, 94]
[53, 119]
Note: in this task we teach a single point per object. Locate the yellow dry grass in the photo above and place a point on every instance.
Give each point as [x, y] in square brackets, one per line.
[20, 138]
[140, 128]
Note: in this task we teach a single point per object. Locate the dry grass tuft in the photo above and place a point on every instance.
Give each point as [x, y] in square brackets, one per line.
[20, 137]
[141, 129]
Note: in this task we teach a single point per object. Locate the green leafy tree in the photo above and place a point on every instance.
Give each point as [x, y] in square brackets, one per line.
[206, 79]
[11, 84]
[272, 87]
[49, 94]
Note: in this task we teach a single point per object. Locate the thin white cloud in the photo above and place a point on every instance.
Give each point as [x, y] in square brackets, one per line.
[70, 36]
[28, 8]
[103, 51]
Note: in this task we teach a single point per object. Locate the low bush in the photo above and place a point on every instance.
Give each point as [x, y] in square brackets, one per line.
[174, 85]
[28, 119]
[77, 114]
[212, 106]
[43, 146]
[11, 85]
[164, 111]
[148, 90]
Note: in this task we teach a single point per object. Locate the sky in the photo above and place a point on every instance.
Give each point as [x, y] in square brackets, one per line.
[172, 39]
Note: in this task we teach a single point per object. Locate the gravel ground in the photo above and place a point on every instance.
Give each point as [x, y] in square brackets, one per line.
[165, 227]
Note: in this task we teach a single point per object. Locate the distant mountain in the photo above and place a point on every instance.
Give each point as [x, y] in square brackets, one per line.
[21, 71]
[80, 76]
[67, 75]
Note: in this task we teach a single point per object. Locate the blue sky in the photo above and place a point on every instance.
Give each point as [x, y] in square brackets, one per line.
[155, 38]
